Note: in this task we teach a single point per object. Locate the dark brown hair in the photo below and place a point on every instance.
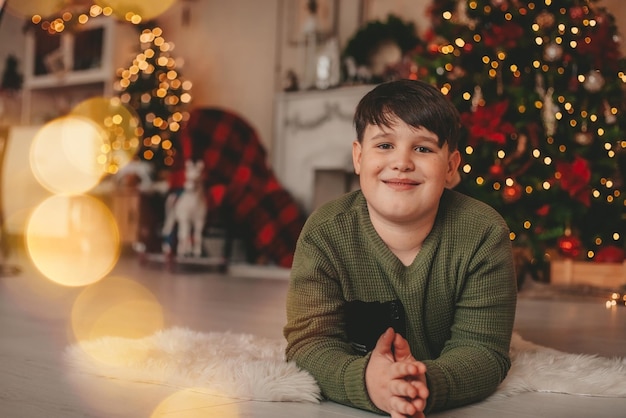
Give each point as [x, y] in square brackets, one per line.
[415, 102]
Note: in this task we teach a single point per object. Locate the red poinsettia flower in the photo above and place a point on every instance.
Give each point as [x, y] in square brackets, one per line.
[543, 210]
[505, 36]
[575, 178]
[486, 123]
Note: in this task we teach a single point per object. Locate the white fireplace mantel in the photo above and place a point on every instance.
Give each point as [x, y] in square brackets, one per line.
[314, 131]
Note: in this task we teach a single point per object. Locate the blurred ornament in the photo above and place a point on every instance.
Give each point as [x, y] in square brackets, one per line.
[583, 138]
[609, 116]
[512, 193]
[569, 245]
[498, 3]
[577, 12]
[548, 113]
[477, 98]
[496, 170]
[593, 81]
[552, 52]
[456, 73]
[543, 210]
[539, 85]
[610, 254]
[545, 20]
[460, 15]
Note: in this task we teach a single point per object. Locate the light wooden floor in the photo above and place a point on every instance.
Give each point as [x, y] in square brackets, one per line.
[35, 318]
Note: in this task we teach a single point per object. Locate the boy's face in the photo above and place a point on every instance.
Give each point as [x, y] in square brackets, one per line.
[403, 171]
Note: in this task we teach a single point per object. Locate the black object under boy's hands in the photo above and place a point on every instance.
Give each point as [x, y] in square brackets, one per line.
[367, 321]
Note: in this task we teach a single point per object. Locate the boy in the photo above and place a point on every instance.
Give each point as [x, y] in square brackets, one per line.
[402, 294]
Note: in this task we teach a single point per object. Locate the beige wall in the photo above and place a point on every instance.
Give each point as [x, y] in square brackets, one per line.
[229, 51]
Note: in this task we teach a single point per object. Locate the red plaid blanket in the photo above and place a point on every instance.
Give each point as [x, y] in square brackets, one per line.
[240, 185]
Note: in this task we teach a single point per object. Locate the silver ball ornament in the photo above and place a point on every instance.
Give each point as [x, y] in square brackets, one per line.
[593, 82]
[552, 52]
[583, 138]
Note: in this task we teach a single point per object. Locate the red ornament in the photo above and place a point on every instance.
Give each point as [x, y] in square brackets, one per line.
[577, 13]
[512, 193]
[569, 245]
[496, 170]
[610, 254]
[544, 210]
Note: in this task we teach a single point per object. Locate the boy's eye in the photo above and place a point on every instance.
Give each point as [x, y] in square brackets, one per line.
[384, 146]
[422, 149]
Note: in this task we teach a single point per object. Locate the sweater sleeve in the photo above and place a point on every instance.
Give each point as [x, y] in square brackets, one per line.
[315, 334]
[475, 359]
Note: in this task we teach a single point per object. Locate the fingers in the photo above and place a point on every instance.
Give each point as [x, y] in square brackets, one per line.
[421, 388]
[409, 387]
[395, 381]
[405, 408]
[410, 369]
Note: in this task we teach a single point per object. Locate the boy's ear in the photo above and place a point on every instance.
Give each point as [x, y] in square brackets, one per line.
[356, 156]
[453, 177]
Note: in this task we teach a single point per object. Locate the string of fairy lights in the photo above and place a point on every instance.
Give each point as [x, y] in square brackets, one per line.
[585, 124]
[162, 108]
[151, 85]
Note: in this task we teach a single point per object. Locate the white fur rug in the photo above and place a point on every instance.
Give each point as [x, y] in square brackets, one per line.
[244, 366]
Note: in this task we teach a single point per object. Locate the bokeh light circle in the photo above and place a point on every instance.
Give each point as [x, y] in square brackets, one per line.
[192, 403]
[146, 9]
[115, 307]
[120, 125]
[64, 155]
[73, 240]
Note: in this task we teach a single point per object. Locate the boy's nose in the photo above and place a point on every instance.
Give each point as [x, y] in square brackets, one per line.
[403, 162]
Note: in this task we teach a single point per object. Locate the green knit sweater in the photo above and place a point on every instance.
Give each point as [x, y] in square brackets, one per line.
[459, 295]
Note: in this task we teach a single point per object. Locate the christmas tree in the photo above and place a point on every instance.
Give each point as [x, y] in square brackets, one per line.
[153, 87]
[540, 88]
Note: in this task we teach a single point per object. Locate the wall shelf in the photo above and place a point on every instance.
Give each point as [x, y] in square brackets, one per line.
[64, 69]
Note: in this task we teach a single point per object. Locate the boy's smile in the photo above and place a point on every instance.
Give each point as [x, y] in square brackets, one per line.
[400, 184]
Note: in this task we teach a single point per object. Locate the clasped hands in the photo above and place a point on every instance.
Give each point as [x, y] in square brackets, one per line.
[395, 380]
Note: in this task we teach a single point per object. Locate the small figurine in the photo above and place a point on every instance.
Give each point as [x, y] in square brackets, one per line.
[189, 211]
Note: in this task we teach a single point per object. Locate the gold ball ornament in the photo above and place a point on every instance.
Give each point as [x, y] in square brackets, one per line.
[545, 20]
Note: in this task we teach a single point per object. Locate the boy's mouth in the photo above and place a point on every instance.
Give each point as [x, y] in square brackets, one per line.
[401, 182]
